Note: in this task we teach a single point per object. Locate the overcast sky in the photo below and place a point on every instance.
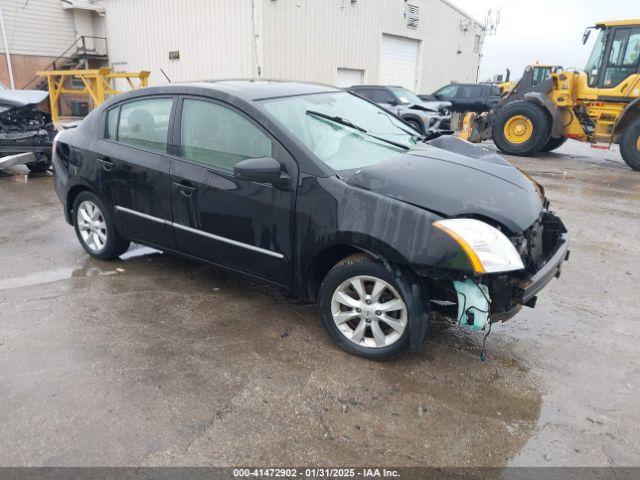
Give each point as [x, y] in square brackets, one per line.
[548, 31]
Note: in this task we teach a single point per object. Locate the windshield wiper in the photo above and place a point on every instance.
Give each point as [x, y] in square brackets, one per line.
[388, 116]
[347, 123]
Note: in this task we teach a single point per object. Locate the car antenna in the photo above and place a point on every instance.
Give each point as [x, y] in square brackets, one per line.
[165, 76]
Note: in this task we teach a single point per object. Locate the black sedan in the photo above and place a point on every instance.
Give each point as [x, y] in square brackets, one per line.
[319, 192]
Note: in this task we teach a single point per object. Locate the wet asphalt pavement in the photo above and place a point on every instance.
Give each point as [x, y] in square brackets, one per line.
[154, 360]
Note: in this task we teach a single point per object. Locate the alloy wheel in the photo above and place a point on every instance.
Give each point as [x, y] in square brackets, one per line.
[369, 311]
[92, 226]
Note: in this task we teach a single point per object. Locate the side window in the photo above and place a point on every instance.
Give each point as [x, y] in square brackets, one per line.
[112, 123]
[383, 96]
[623, 56]
[540, 74]
[466, 92]
[364, 92]
[449, 91]
[218, 136]
[145, 123]
[632, 52]
[495, 91]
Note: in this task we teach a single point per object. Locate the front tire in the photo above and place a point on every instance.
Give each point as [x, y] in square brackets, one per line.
[367, 310]
[95, 229]
[630, 145]
[553, 143]
[521, 128]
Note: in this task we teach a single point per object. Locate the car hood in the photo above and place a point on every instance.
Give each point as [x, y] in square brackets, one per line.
[21, 98]
[436, 105]
[453, 184]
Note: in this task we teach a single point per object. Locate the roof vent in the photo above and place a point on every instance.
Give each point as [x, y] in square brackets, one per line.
[413, 15]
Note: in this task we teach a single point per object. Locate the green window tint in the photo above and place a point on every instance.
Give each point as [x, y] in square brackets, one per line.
[145, 123]
[218, 136]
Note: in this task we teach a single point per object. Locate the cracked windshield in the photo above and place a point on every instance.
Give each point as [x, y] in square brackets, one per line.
[342, 130]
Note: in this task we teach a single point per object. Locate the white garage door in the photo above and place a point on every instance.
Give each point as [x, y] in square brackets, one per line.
[348, 76]
[399, 61]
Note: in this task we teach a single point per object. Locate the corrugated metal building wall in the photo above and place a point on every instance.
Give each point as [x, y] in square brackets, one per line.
[213, 37]
[37, 27]
[294, 39]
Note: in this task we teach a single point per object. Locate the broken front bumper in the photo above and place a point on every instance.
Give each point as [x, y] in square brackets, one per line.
[525, 292]
[510, 293]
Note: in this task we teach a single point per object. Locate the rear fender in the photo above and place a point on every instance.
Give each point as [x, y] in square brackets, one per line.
[631, 112]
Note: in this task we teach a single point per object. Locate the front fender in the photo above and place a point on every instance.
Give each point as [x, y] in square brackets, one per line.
[542, 99]
[330, 212]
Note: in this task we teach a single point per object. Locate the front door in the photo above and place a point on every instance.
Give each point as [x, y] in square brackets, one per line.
[239, 224]
[134, 157]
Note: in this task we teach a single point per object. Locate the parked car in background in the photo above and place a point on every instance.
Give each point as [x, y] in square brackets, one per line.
[320, 192]
[434, 115]
[467, 97]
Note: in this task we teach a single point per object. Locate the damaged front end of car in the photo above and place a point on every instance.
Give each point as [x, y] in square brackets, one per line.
[502, 272]
[26, 133]
[504, 269]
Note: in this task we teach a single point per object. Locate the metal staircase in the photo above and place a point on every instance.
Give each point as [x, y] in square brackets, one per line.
[84, 53]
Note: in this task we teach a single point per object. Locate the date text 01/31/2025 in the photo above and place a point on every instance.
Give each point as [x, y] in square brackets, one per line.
[315, 473]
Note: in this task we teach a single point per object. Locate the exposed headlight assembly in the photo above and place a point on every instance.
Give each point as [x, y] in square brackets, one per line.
[487, 248]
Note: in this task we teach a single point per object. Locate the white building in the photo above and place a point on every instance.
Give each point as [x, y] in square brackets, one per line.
[420, 44]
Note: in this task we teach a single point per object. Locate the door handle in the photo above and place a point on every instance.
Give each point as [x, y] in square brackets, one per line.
[185, 188]
[107, 165]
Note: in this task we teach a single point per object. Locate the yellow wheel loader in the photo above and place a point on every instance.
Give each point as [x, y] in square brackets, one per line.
[600, 105]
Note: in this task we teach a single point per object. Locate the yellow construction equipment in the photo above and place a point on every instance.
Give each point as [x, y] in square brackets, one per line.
[97, 85]
[600, 105]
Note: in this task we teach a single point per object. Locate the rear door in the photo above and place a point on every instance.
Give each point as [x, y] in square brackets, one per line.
[134, 157]
[239, 224]
[469, 98]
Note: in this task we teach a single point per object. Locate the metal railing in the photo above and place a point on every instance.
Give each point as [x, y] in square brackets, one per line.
[83, 47]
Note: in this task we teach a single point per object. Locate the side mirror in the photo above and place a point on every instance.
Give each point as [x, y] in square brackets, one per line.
[262, 170]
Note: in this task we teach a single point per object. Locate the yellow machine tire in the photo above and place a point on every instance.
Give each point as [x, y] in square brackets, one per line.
[630, 145]
[521, 128]
[553, 143]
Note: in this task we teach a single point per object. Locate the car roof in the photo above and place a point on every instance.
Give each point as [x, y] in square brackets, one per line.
[248, 90]
[361, 87]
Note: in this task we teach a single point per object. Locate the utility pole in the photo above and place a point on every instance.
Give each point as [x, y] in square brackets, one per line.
[6, 51]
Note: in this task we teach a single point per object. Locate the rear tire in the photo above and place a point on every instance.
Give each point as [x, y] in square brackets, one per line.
[630, 145]
[375, 324]
[553, 143]
[521, 128]
[95, 229]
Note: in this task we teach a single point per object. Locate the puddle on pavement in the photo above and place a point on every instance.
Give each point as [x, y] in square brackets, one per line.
[90, 268]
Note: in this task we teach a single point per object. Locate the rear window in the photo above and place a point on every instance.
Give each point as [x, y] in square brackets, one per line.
[112, 123]
[145, 123]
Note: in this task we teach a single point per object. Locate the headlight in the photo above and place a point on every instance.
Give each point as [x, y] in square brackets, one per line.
[488, 249]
